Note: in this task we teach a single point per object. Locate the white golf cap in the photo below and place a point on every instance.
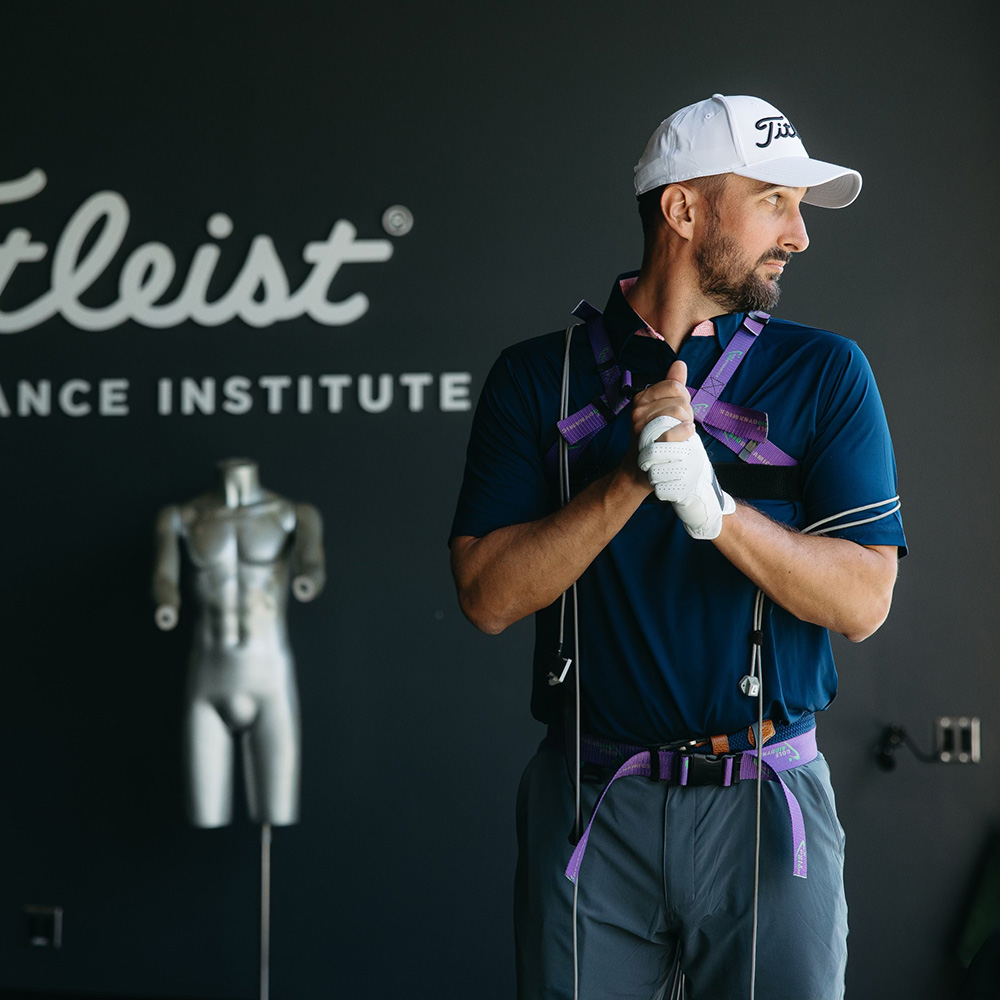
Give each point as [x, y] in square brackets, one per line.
[745, 136]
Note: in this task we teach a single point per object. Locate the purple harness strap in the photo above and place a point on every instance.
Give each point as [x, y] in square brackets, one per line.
[672, 766]
[580, 427]
[742, 430]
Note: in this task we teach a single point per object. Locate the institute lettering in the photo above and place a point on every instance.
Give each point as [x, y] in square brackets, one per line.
[235, 395]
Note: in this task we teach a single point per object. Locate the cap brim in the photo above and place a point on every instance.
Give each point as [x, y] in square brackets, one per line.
[829, 186]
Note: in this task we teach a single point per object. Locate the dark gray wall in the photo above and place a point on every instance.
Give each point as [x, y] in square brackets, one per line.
[510, 132]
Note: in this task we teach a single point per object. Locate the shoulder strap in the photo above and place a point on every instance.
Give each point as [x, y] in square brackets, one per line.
[579, 428]
[742, 430]
[718, 378]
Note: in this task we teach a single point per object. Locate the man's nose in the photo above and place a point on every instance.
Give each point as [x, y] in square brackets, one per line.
[795, 238]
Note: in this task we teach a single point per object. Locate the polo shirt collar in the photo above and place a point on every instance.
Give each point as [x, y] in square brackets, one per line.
[622, 321]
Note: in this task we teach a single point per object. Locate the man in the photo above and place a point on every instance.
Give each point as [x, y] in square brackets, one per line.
[699, 620]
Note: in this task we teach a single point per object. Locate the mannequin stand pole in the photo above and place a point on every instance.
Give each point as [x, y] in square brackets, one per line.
[265, 910]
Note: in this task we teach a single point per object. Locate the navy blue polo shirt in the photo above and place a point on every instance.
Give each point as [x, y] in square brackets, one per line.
[665, 619]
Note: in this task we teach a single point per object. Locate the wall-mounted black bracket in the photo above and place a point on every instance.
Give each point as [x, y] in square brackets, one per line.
[893, 737]
[957, 742]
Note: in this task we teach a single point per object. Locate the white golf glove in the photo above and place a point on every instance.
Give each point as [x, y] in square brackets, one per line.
[681, 474]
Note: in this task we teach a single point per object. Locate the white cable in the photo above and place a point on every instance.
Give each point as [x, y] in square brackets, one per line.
[756, 670]
[854, 524]
[854, 510]
[564, 497]
[576, 954]
[564, 463]
[677, 986]
[577, 821]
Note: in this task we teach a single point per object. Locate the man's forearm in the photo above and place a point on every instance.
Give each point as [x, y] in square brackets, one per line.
[517, 570]
[832, 582]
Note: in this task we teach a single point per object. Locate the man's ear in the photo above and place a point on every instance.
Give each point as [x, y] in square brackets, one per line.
[678, 204]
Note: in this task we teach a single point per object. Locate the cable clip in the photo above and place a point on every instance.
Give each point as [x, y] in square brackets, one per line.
[562, 665]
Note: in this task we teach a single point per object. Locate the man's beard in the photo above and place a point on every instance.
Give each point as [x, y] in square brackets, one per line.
[726, 278]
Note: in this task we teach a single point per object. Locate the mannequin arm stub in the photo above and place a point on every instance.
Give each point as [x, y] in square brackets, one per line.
[166, 574]
[308, 559]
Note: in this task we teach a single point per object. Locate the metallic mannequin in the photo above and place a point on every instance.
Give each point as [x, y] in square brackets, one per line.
[241, 540]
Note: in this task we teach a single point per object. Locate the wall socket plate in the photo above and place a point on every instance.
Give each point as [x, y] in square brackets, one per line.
[43, 925]
[956, 739]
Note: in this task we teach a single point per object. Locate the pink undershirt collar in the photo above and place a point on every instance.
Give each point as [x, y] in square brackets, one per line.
[706, 328]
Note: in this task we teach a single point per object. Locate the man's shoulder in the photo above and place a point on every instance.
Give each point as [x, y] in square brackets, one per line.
[808, 344]
[543, 346]
[536, 362]
[795, 333]
[818, 361]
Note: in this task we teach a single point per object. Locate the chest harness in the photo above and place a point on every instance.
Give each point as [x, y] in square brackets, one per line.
[763, 471]
[741, 429]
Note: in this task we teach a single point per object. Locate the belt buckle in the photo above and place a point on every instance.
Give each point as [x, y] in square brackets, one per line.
[678, 747]
[707, 769]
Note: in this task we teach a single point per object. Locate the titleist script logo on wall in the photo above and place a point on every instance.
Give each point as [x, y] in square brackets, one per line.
[259, 296]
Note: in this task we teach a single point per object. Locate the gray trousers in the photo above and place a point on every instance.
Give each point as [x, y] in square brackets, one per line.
[668, 875]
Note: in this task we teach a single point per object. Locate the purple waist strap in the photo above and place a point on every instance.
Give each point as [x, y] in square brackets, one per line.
[670, 766]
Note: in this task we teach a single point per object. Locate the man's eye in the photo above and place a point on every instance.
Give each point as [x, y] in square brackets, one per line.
[772, 198]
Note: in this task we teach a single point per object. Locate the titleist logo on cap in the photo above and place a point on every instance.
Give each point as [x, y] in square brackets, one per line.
[777, 127]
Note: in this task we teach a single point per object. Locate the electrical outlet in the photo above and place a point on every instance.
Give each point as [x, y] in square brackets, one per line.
[956, 739]
[43, 925]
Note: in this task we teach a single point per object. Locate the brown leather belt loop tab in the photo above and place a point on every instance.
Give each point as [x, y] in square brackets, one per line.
[767, 731]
